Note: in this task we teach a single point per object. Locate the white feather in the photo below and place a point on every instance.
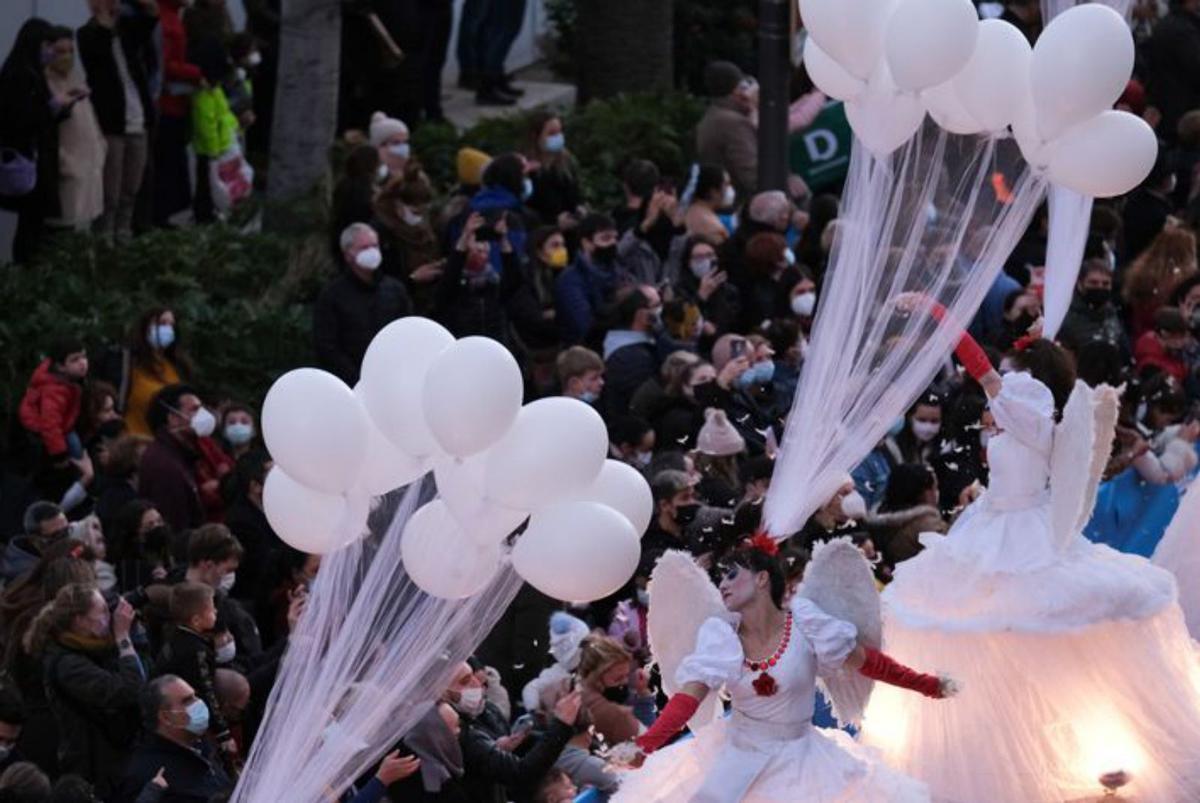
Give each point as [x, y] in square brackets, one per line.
[1083, 439]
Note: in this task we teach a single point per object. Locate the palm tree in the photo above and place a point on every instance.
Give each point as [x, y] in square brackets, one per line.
[624, 46]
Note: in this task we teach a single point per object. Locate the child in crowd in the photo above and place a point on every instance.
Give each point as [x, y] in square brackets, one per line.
[52, 401]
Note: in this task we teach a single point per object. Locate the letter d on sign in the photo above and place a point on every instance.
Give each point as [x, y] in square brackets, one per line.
[821, 145]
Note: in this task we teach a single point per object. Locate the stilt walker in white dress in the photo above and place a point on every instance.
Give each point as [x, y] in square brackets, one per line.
[1078, 673]
[768, 656]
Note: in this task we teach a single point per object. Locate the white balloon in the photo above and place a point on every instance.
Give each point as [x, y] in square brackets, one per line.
[472, 394]
[829, 76]
[556, 447]
[1025, 132]
[577, 551]
[315, 429]
[995, 82]
[460, 483]
[850, 31]
[305, 519]
[1108, 155]
[1080, 66]
[623, 488]
[442, 559]
[928, 41]
[944, 107]
[385, 467]
[393, 376]
[883, 119]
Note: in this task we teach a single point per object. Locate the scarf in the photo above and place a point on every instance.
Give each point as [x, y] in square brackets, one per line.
[78, 643]
[440, 753]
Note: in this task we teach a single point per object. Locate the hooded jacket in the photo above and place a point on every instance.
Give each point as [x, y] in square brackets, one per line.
[50, 407]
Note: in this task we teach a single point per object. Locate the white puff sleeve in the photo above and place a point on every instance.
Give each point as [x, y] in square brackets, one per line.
[1024, 408]
[832, 640]
[717, 659]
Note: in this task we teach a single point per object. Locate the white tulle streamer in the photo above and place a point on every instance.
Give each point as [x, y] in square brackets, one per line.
[927, 219]
[367, 658]
[1070, 221]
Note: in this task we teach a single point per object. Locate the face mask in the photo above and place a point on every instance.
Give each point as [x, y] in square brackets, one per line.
[1096, 296]
[643, 458]
[227, 652]
[557, 258]
[643, 597]
[411, 218]
[470, 701]
[655, 315]
[227, 581]
[854, 506]
[555, 143]
[758, 374]
[197, 722]
[616, 694]
[382, 172]
[160, 336]
[400, 150]
[728, 196]
[238, 434]
[686, 514]
[706, 394]
[701, 267]
[477, 261]
[789, 256]
[254, 59]
[589, 397]
[203, 422]
[985, 437]
[526, 188]
[369, 258]
[604, 254]
[154, 540]
[925, 431]
[804, 304]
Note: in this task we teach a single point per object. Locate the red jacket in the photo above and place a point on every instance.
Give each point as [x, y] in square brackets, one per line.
[1149, 350]
[176, 69]
[50, 408]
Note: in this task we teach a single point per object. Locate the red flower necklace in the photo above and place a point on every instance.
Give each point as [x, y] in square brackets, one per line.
[765, 685]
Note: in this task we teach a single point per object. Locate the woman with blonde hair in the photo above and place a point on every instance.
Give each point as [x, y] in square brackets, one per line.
[1154, 275]
[617, 698]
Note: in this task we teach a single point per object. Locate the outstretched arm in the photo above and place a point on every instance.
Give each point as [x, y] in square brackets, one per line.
[969, 353]
[874, 664]
[674, 716]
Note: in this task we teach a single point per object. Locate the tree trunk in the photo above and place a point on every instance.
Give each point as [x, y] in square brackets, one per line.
[306, 99]
[625, 46]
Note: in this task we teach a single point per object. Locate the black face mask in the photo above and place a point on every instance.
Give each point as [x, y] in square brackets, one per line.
[111, 429]
[616, 694]
[1096, 296]
[707, 394]
[604, 255]
[686, 514]
[154, 540]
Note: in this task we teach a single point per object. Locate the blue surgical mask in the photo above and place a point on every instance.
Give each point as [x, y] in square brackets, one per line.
[555, 143]
[160, 336]
[238, 434]
[589, 397]
[758, 374]
[526, 189]
[400, 150]
[197, 718]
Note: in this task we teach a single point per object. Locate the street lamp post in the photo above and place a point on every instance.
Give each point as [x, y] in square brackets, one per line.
[774, 70]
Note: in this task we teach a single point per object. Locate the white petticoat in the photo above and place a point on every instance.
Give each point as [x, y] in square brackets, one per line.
[1042, 715]
[815, 765]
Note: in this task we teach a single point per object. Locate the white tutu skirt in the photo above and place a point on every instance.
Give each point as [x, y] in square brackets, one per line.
[1041, 716]
[820, 766]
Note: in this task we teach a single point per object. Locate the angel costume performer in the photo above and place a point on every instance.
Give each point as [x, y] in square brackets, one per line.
[1074, 659]
[766, 750]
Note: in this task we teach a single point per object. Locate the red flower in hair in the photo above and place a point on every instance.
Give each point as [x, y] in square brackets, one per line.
[763, 543]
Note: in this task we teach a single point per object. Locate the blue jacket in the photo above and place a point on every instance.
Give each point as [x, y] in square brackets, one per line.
[580, 293]
[491, 199]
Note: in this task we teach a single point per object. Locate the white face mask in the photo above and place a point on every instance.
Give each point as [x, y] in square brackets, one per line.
[728, 196]
[203, 422]
[400, 150]
[643, 597]
[701, 267]
[925, 431]
[382, 172]
[227, 581]
[369, 258]
[411, 218]
[789, 256]
[643, 458]
[470, 701]
[254, 59]
[854, 506]
[227, 652]
[804, 304]
[985, 437]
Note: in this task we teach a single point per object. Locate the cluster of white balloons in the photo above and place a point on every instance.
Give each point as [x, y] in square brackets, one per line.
[892, 61]
[428, 402]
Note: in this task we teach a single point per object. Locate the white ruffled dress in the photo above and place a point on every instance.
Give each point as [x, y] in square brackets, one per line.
[767, 750]
[1073, 658]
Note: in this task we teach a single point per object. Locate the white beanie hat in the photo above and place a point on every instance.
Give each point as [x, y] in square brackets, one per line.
[718, 437]
[566, 635]
[384, 128]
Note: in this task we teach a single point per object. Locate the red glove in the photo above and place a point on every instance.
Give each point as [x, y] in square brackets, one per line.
[890, 671]
[671, 720]
[969, 353]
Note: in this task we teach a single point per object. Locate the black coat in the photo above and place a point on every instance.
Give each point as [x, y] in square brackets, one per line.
[477, 304]
[493, 775]
[191, 656]
[103, 77]
[28, 123]
[94, 697]
[1174, 68]
[254, 532]
[193, 775]
[347, 316]
[624, 372]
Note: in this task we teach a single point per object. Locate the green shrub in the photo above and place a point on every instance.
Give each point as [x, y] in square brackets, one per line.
[242, 302]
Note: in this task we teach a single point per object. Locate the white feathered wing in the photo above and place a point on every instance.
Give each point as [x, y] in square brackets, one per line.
[681, 599]
[1082, 446]
[839, 581]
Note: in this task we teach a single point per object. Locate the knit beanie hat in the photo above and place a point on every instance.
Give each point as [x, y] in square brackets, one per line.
[721, 78]
[384, 128]
[718, 437]
[470, 164]
[566, 634]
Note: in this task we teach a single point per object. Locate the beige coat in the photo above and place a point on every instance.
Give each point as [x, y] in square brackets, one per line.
[726, 136]
[81, 153]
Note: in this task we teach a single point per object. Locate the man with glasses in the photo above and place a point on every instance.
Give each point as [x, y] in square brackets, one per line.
[44, 523]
